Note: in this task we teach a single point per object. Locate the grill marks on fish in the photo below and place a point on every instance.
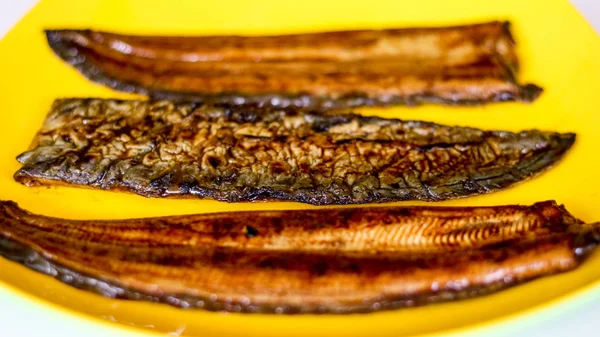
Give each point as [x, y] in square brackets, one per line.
[306, 261]
[246, 153]
[470, 64]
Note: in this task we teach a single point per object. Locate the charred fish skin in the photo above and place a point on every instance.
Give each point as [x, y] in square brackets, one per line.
[424, 255]
[460, 65]
[248, 153]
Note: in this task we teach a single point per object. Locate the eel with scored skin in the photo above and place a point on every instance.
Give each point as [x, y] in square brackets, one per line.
[470, 64]
[246, 153]
[306, 261]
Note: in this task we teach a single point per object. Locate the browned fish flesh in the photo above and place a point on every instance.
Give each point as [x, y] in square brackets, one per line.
[245, 153]
[305, 261]
[470, 64]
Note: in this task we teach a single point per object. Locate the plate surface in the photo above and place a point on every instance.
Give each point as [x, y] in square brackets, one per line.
[558, 50]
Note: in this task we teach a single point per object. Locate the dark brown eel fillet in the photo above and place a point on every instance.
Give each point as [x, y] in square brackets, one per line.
[244, 153]
[306, 261]
[470, 64]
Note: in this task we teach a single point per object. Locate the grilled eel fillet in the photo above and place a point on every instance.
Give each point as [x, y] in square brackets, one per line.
[244, 153]
[305, 261]
[451, 65]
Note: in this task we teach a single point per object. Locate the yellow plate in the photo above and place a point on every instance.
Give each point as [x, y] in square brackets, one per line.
[558, 51]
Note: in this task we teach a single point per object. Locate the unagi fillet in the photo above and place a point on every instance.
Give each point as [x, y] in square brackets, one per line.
[245, 153]
[470, 64]
[304, 261]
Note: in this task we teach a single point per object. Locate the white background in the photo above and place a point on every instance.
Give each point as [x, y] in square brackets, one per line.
[23, 318]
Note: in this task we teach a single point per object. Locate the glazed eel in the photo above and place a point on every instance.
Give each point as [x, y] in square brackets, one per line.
[245, 153]
[305, 261]
[469, 64]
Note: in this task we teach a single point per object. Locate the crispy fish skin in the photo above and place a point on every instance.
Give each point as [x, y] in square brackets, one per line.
[343, 260]
[471, 64]
[245, 153]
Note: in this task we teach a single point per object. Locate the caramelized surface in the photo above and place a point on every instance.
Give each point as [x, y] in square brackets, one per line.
[245, 153]
[309, 261]
[451, 65]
